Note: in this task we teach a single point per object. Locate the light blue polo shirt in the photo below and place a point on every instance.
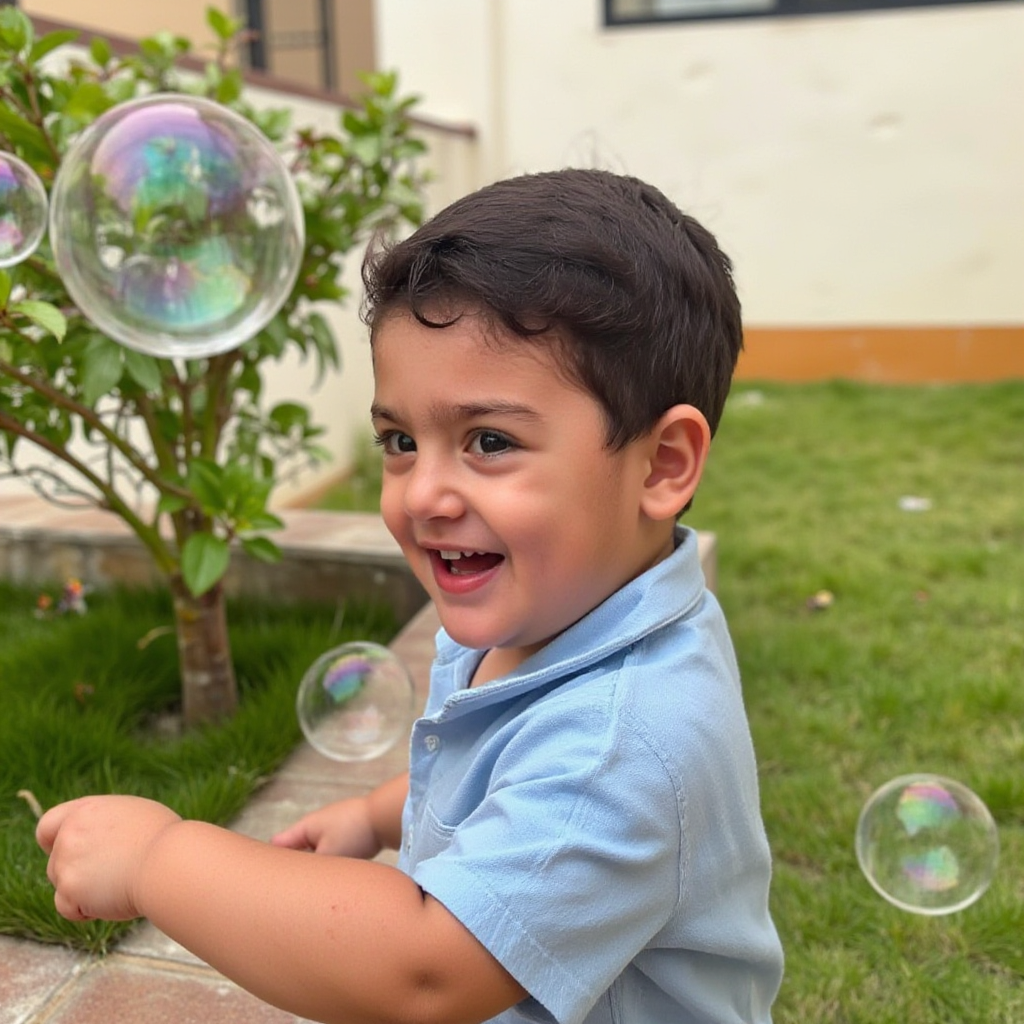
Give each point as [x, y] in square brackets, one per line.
[593, 818]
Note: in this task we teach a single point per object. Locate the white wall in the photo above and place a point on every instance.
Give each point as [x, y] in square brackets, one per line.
[864, 169]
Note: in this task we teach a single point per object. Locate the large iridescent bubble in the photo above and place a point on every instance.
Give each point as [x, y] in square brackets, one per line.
[22, 210]
[176, 226]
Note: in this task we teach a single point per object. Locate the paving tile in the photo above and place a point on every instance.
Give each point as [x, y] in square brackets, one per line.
[30, 975]
[285, 799]
[146, 941]
[122, 990]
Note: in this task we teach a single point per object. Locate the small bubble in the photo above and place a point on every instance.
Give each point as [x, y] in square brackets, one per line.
[927, 844]
[23, 206]
[355, 702]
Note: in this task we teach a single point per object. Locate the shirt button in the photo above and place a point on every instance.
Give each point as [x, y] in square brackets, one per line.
[432, 743]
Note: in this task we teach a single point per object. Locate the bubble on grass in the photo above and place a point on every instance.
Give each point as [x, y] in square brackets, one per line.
[355, 702]
[927, 844]
[23, 206]
[176, 226]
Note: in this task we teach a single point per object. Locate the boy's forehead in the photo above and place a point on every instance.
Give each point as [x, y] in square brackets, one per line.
[467, 366]
[470, 333]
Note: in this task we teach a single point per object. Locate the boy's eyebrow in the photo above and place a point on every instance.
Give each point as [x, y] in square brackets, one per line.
[454, 412]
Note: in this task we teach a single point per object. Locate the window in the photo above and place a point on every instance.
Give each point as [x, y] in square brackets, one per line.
[293, 40]
[643, 12]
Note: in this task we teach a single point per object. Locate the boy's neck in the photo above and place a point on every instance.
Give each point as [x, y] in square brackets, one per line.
[500, 661]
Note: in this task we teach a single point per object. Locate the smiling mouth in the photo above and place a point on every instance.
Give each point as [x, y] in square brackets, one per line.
[468, 563]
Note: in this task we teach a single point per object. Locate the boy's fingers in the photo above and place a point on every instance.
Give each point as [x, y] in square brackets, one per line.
[49, 825]
[293, 838]
[67, 909]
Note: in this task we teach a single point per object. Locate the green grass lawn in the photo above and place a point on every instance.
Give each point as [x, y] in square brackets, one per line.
[917, 666]
[81, 712]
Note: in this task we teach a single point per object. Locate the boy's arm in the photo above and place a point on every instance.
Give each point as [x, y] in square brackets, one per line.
[329, 938]
[358, 827]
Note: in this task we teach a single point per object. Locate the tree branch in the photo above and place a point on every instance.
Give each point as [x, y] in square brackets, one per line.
[90, 417]
[112, 501]
[62, 488]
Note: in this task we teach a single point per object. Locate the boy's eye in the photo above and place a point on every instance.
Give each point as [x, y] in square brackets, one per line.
[394, 442]
[490, 442]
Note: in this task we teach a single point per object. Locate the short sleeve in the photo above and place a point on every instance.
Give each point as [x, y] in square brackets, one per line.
[570, 861]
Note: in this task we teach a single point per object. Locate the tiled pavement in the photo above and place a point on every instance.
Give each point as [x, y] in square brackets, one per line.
[149, 979]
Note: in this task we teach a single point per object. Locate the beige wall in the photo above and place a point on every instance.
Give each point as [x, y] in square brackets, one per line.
[132, 18]
[352, 29]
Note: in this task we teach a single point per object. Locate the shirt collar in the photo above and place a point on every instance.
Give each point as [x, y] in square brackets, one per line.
[664, 593]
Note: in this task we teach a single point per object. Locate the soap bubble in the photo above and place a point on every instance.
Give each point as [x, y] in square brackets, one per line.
[927, 844]
[355, 702]
[22, 210]
[176, 226]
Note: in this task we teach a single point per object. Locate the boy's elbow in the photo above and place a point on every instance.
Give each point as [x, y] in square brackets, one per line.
[427, 997]
[448, 978]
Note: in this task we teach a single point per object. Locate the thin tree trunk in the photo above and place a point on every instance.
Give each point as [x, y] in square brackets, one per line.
[209, 692]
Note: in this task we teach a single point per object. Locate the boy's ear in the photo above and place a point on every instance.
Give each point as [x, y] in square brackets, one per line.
[677, 449]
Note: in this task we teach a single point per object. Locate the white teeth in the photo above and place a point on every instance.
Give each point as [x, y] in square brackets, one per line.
[454, 556]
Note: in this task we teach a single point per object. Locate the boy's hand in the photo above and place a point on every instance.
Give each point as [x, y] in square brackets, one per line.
[341, 829]
[97, 845]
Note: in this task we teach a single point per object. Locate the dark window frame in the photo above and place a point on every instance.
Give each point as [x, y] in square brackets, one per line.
[263, 43]
[781, 9]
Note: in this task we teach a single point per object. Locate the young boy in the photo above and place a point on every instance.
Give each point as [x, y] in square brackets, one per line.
[580, 831]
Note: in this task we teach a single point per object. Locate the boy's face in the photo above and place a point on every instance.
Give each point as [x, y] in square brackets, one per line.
[498, 486]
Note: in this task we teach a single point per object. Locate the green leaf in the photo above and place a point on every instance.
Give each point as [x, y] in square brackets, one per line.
[249, 380]
[50, 318]
[206, 482]
[261, 548]
[286, 415]
[367, 149]
[170, 503]
[26, 136]
[99, 50]
[50, 42]
[223, 26]
[102, 367]
[5, 288]
[266, 521]
[143, 369]
[15, 29]
[229, 87]
[204, 560]
[87, 102]
[273, 123]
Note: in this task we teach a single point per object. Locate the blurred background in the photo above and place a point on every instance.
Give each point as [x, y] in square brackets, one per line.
[861, 161]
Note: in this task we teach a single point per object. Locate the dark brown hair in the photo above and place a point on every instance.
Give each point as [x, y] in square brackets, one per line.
[636, 295]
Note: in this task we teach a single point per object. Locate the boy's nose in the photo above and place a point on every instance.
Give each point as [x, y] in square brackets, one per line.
[431, 492]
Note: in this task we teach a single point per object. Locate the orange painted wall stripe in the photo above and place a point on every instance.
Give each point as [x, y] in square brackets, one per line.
[883, 355]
